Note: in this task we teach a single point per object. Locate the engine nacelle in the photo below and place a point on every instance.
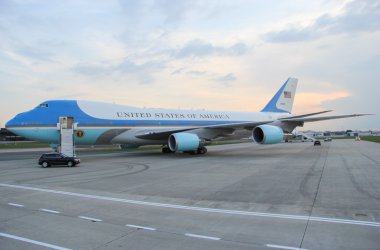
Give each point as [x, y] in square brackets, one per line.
[267, 134]
[183, 142]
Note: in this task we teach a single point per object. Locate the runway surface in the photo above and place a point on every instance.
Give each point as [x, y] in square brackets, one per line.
[242, 196]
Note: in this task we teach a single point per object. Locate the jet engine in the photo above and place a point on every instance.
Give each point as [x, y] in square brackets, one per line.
[267, 134]
[184, 142]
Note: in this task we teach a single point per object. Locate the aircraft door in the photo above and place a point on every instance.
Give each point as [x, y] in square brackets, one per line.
[66, 122]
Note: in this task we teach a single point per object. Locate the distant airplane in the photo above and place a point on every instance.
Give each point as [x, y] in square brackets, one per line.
[177, 130]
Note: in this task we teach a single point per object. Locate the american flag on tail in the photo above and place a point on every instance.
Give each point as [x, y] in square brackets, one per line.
[287, 94]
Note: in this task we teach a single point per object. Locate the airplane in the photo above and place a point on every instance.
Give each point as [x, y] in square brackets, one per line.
[186, 131]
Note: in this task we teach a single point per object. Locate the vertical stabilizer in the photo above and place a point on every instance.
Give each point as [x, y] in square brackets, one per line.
[282, 101]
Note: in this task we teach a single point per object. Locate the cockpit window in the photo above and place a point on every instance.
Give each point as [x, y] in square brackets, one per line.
[44, 105]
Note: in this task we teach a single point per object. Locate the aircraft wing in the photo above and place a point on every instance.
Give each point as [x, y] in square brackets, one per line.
[315, 119]
[309, 114]
[162, 134]
[220, 129]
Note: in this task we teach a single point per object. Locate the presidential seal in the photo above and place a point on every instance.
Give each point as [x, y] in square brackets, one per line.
[80, 133]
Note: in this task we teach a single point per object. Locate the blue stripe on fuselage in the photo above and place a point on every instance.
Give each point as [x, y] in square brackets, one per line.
[48, 116]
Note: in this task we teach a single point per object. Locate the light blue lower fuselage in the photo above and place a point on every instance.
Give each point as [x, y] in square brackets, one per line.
[102, 123]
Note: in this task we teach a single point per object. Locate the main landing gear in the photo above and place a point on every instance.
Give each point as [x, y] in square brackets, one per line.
[166, 150]
[200, 151]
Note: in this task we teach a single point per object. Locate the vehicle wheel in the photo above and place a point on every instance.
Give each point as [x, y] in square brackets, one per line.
[70, 164]
[45, 164]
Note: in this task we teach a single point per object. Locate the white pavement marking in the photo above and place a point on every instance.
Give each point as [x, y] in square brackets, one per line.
[201, 209]
[140, 227]
[33, 241]
[15, 205]
[89, 218]
[49, 211]
[284, 247]
[203, 236]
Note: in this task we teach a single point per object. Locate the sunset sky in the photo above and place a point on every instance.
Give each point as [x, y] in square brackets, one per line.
[189, 54]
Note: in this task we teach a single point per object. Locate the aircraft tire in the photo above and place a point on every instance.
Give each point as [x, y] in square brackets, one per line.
[202, 150]
[166, 150]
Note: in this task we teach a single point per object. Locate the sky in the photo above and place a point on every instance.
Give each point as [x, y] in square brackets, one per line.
[190, 54]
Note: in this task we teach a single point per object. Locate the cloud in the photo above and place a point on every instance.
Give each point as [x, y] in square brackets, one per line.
[174, 11]
[128, 66]
[36, 54]
[178, 71]
[196, 73]
[157, 62]
[143, 72]
[91, 70]
[199, 48]
[357, 16]
[167, 14]
[312, 102]
[226, 79]
[291, 35]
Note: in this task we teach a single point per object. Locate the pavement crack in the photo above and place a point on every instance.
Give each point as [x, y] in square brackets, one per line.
[325, 153]
[117, 238]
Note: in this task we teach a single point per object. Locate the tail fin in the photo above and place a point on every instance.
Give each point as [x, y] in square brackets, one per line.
[282, 101]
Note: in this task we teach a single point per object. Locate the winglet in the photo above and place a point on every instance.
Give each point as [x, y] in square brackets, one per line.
[282, 101]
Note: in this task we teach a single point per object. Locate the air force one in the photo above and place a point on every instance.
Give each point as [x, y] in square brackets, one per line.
[176, 130]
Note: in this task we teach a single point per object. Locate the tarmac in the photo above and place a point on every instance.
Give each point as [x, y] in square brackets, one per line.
[240, 196]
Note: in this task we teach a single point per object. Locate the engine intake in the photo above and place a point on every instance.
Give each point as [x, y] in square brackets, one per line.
[267, 134]
[183, 142]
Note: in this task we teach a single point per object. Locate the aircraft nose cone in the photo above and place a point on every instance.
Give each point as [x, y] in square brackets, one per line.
[10, 123]
[15, 121]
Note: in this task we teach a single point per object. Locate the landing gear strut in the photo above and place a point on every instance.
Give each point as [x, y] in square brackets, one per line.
[166, 150]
